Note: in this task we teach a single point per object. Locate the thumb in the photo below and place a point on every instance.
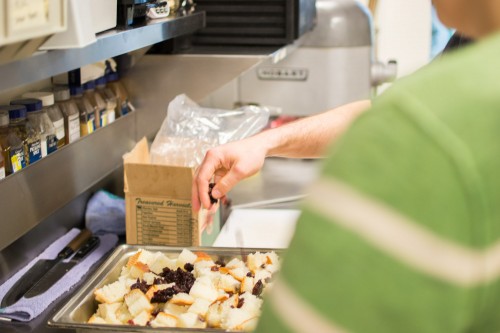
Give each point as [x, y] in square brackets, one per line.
[226, 182]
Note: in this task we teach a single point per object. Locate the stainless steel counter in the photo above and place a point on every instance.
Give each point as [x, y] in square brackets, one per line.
[280, 184]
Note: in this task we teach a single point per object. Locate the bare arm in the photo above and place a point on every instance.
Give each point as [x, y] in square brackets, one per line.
[305, 138]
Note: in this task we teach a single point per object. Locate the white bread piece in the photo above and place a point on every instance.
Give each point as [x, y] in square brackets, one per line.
[149, 277]
[127, 281]
[111, 293]
[182, 299]
[142, 318]
[231, 302]
[255, 261]
[160, 261]
[239, 273]
[137, 302]
[248, 325]
[252, 304]
[235, 263]
[175, 309]
[235, 318]
[214, 315]
[203, 267]
[95, 319]
[123, 314]
[164, 320]
[185, 257]
[272, 268]
[262, 274]
[222, 296]
[203, 288]
[125, 272]
[247, 284]
[190, 320]
[138, 269]
[272, 259]
[229, 284]
[142, 255]
[108, 312]
[200, 307]
[154, 288]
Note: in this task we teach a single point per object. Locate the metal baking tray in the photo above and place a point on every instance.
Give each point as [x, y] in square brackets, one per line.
[75, 313]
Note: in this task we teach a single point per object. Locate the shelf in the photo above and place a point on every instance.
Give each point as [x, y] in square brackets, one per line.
[34, 193]
[111, 43]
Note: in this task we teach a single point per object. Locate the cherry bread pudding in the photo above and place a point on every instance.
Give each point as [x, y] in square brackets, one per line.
[190, 291]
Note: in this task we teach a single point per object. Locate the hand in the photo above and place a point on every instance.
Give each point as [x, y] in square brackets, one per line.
[227, 164]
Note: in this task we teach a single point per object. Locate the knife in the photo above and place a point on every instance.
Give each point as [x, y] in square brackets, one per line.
[61, 268]
[38, 270]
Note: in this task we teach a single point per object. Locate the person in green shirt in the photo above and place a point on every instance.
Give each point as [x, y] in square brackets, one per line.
[401, 233]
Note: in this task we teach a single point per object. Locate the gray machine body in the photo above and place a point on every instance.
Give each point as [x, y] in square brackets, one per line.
[333, 66]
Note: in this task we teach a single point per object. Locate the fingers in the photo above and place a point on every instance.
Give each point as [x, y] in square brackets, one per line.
[226, 181]
[199, 189]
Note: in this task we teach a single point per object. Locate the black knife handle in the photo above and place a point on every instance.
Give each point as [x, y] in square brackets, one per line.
[75, 243]
[86, 248]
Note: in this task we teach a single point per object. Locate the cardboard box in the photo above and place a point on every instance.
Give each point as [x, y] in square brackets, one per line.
[158, 204]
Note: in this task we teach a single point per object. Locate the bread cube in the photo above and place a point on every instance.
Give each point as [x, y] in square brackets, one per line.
[251, 303]
[256, 261]
[239, 273]
[137, 302]
[137, 270]
[164, 320]
[160, 261]
[142, 318]
[174, 309]
[214, 315]
[123, 314]
[185, 257]
[247, 284]
[108, 312]
[190, 320]
[95, 319]
[235, 263]
[229, 284]
[154, 288]
[182, 299]
[200, 307]
[203, 288]
[235, 318]
[111, 293]
[142, 256]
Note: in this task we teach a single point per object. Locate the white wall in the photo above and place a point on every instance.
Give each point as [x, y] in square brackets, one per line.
[403, 33]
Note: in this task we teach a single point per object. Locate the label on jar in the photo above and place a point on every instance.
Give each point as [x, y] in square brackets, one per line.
[2, 173]
[103, 118]
[51, 143]
[44, 147]
[124, 108]
[111, 116]
[23, 15]
[17, 159]
[34, 151]
[73, 128]
[59, 127]
[91, 124]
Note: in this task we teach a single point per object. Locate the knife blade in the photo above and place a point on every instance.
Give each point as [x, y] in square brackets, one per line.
[61, 268]
[41, 267]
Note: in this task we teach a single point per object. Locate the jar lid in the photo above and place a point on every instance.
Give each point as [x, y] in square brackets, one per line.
[15, 111]
[88, 85]
[61, 93]
[31, 104]
[75, 90]
[100, 81]
[46, 97]
[111, 77]
[4, 118]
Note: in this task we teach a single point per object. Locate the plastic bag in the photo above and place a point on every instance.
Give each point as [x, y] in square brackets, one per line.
[189, 130]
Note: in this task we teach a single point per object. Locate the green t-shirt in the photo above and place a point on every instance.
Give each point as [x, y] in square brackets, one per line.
[402, 231]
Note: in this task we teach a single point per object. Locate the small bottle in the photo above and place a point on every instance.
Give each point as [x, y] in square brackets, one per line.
[109, 98]
[70, 113]
[120, 92]
[13, 138]
[53, 112]
[87, 115]
[42, 125]
[2, 164]
[97, 102]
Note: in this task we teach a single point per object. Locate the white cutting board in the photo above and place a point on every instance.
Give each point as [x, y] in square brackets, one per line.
[258, 228]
